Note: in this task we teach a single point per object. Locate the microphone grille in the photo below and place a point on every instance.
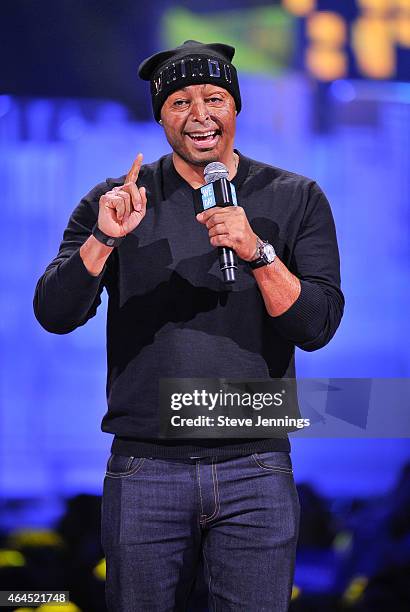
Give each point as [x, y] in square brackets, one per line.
[215, 171]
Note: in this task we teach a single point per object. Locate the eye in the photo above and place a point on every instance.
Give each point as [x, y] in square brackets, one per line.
[215, 99]
[179, 103]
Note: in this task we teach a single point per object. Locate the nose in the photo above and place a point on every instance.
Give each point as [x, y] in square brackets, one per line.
[199, 111]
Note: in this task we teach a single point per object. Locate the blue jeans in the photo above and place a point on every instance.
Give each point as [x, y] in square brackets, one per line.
[162, 517]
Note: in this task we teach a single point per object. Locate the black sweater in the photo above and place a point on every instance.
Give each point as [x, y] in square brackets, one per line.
[169, 313]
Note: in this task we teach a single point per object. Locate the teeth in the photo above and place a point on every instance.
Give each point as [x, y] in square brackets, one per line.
[203, 134]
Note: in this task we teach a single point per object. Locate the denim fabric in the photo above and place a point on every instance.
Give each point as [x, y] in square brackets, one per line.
[162, 517]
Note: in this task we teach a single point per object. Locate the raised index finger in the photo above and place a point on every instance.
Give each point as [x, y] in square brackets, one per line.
[134, 170]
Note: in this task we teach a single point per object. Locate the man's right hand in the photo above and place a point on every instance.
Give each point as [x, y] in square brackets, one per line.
[123, 208]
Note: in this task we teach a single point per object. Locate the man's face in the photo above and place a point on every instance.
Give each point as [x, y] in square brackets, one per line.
[199, 123]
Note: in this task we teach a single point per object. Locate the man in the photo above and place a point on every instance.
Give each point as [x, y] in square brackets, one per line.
[169, 503]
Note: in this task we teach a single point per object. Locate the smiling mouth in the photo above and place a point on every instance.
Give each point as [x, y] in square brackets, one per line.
[204, 137]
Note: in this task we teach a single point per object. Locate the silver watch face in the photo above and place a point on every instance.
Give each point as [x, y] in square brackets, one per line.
[268, 253]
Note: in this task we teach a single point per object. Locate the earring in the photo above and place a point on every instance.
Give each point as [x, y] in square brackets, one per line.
[160, 121]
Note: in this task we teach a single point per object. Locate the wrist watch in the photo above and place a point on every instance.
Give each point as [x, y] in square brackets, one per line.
[265, 254]
[105, 239]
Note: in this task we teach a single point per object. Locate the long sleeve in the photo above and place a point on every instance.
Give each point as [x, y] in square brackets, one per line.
[313, 319]
[67, 295]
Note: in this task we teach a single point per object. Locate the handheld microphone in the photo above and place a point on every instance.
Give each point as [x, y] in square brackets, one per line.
[218, 191]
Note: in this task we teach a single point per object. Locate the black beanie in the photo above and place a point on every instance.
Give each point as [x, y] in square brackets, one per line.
[189, 64]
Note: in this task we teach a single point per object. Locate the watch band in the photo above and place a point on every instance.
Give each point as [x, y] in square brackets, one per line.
[257, 263]
[105, 239]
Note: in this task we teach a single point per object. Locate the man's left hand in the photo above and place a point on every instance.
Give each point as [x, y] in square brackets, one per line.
[228, 226]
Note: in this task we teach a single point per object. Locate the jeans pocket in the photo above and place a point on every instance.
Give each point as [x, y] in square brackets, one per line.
[275, 461]
[120, 466]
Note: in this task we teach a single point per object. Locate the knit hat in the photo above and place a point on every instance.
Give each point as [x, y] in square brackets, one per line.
[189, 64]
